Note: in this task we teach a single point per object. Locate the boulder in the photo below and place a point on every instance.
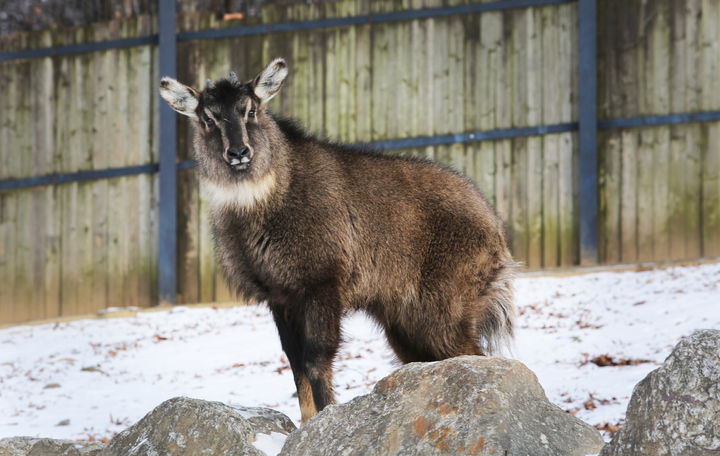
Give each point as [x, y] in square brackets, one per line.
[184, 426]
[461, 406]
[675, 410]
[33, 446]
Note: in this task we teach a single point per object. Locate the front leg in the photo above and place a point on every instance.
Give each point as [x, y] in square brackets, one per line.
[323, 312]
[290, 329]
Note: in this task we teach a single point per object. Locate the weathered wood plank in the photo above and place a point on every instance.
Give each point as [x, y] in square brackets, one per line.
[83, 143]
[119, 293]
[145, 90]
[645, 202]
[521, 26]
[693, 171]
[502, 82]
[22, 149]
[654, 19]
[47, 217]
[533, 75]
[567, 200]
[658, 95]
[455, 91]
[363, 81]
[629, 208]
[568, 229]
[331, 99]
[191, 70]
[610, 198]
[709, 42]
[8, 220]
[711, 192]
[102, 73]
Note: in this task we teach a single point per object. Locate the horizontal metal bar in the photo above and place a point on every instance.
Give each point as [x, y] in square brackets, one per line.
[79, 48]
[186, 164]
[456, 138]
[79, 176]
[281, 27]
[653, 121]
[377, 18]
[389, 144]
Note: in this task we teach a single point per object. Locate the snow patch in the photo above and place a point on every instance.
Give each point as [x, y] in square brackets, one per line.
[107, 374]
[269, 444]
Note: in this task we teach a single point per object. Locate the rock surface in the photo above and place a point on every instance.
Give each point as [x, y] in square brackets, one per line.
[33, 446]
[466, 405]
[675, 410]
[184, 426]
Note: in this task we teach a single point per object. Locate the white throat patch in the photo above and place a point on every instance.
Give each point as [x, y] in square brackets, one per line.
[242, 195]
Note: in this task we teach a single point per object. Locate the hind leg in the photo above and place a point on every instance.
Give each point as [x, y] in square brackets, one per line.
[432, 341]
[406, 349]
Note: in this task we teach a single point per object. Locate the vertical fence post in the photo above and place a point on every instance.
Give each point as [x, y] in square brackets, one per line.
[167, 254]
[588, 173]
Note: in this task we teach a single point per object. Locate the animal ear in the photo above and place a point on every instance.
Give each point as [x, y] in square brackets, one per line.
[268, 82]
[182, 98]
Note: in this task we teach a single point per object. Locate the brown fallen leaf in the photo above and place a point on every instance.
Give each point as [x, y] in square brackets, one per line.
[589, 404]
[609, 428]
[608, 360]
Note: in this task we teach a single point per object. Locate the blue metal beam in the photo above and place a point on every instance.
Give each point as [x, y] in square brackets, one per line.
[653, 121]
[78, 48]
[378, 18]
[587, 136]
[79, 176]
[389, 144]
[284, 27]
[167, 254]
[456, 138]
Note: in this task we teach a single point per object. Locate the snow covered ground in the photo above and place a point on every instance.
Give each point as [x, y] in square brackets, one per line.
[90, 379]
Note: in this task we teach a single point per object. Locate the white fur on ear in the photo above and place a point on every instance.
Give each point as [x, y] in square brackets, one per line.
[180, 97]
[268, 82]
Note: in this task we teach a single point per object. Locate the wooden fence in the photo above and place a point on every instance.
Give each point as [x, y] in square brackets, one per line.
[88, 244]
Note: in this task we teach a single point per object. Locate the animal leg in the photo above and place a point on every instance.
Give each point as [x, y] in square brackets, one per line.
[291, 341]
[407, 350]
[425, 340]
[322, 340]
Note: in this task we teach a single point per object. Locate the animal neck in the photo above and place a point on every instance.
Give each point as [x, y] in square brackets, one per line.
[247, 195]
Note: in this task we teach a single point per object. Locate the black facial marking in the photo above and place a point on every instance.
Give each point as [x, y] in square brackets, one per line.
[225, 93]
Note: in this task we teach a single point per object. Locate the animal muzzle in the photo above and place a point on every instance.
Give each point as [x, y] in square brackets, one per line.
[238, 157]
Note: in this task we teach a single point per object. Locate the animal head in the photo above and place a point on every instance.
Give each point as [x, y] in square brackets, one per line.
[233, 131]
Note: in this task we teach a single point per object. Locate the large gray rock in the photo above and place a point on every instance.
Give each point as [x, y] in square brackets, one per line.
[675, 410]
[465, 405]
[183, 426]
[33, 446]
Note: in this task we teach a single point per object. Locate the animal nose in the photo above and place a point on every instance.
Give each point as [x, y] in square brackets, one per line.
[238, 152]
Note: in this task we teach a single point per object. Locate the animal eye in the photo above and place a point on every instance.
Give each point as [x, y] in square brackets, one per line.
[251, 113]
[209, 122]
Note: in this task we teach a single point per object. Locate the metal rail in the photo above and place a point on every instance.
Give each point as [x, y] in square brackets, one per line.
[588, 126]
[388, 144]
[283, 27]
[167, 254]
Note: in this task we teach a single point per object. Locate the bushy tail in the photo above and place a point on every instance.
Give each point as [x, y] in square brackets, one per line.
[496, 324]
